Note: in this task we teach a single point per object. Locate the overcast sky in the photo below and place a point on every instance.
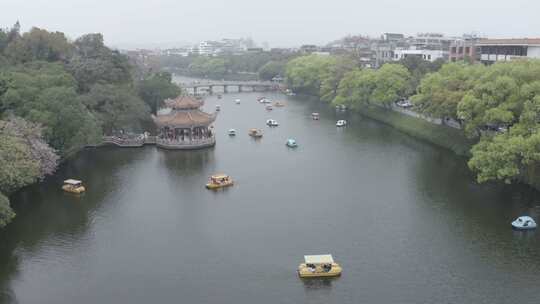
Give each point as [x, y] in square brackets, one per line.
[134, 23]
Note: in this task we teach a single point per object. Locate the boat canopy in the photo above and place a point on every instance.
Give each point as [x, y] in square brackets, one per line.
[319, 259]
[525, 218]
[220, 176]
[72, 182]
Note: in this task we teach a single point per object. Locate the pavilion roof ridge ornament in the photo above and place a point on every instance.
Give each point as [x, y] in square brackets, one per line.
[184, 102]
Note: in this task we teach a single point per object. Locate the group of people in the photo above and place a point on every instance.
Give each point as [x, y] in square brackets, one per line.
[325, 267]
[187, 134]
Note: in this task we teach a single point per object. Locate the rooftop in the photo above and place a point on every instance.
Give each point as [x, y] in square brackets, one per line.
[512, 41]
[194, 118]
[319, 259]
[184, 102]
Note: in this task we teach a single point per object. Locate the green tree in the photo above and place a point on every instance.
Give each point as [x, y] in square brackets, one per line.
[418, 67]
[45, 93]
[208, 67]
[508, 94]
[116, 107]
[69, 126]
[271, 70]
[305, 74]
[392, 84]
[154, 89]
[439, 93]
[94, 63]
[6, 213]
[39, 44]
[332, 76]
[356, 88]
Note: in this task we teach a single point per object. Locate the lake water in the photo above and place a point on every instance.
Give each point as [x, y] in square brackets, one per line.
[405, 219]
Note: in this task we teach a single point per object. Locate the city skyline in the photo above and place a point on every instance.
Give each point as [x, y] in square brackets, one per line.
[167, 23]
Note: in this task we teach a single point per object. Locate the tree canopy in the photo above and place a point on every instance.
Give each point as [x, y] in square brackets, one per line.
[58, 96]
[380, 87]
[154, 89]
[317, 74]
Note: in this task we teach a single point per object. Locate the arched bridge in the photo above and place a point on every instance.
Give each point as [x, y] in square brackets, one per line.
[254, 86]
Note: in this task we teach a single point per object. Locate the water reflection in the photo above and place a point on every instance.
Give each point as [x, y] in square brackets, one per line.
[46, 215]
[318, 283]
[185, 163]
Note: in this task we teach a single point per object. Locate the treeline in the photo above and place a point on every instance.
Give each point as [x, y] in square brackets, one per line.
[498, 106]
[57, 96]
[260, 65]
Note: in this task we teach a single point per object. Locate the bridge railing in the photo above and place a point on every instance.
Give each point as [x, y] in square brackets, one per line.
[124, 142]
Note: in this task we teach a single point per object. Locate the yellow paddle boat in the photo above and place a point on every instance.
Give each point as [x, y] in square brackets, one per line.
[279, 104]
[257, 133]
[73, 186]
[318, 266]
[219, 181]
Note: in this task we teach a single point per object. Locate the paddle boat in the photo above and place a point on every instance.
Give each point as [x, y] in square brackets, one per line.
[219, 96]
[317, 266]
[341, 107]
[269, 108]
[315, 116]
[289, 92]
[279, 104]
[232, 132]
[73, 186]
[237, 101]
[256, 133]
[291, 143]
[341, 123]
[218, 108]
[219, 181]
[272, 123]
[524, 223]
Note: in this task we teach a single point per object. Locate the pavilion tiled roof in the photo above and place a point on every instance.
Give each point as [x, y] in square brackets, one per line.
[184, 102]
[185, 119]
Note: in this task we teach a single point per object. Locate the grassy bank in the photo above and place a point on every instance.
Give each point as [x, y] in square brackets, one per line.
[442, 136]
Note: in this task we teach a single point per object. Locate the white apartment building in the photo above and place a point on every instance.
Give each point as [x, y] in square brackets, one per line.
[429, 55]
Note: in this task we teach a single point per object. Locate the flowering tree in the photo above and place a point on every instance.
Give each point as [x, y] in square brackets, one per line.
[31, 135]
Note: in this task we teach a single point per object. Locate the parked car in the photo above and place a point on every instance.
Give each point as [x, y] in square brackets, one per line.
[404, 103]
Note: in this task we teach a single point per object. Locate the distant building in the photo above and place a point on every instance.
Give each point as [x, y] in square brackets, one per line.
[224, 46]
[321, 53]
[177, 52]
[493, 50]
[429, 55]
[464, 49]
[309, 48]
[255, 50]
[383, 49]
[430, 41]
[394, 37]
[209, 48]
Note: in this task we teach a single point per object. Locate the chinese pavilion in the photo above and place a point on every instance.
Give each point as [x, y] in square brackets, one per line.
[182, 125]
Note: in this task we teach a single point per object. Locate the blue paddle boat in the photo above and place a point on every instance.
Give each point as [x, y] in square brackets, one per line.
[291, 143]
[524, 223]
